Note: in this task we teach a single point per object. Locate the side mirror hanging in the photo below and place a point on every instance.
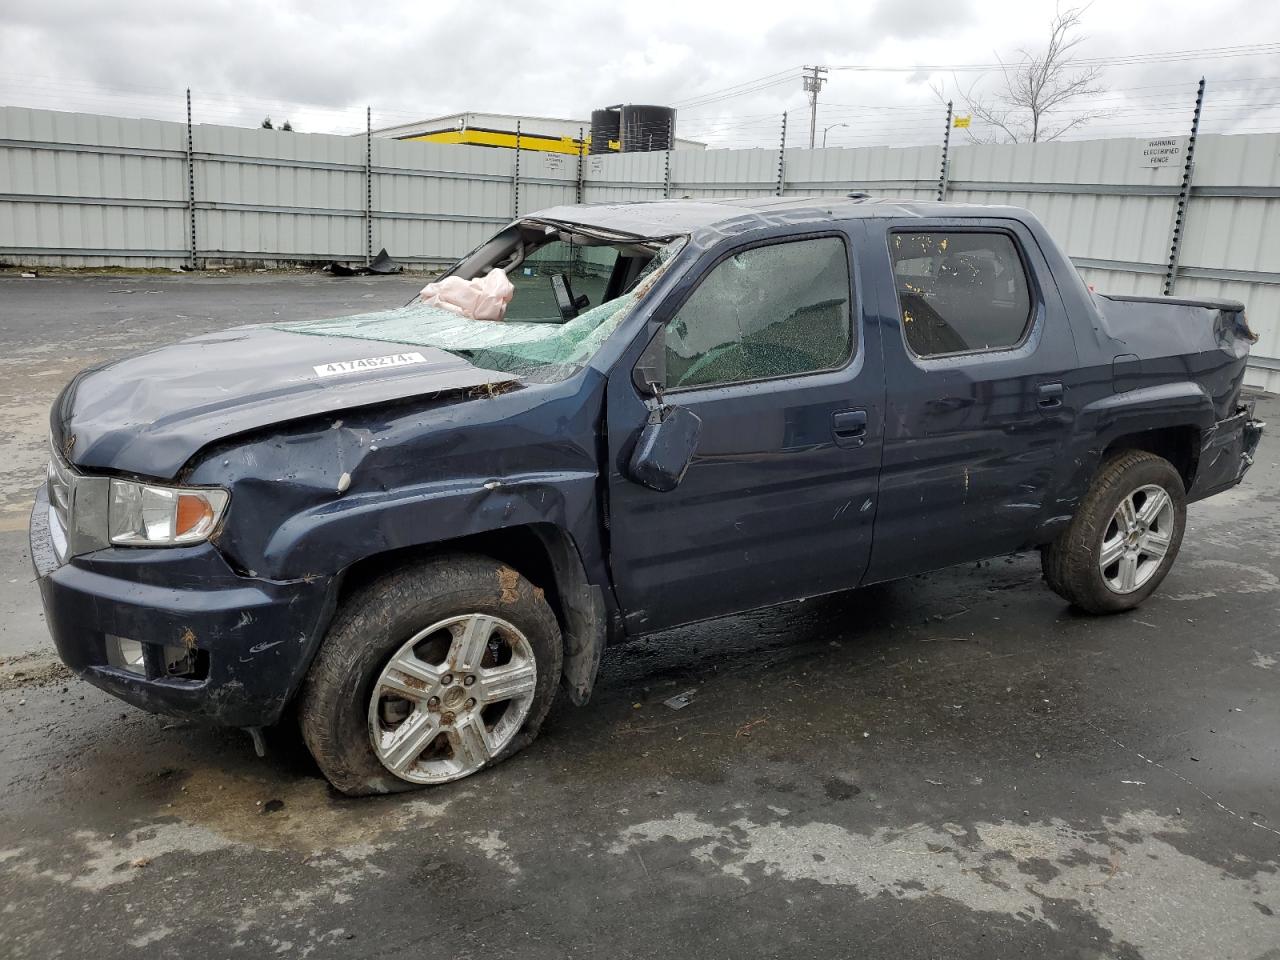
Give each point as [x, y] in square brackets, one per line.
[666, 445]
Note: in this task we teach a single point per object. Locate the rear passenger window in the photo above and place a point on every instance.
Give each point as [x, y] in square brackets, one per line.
[960, 292]
[773, 311]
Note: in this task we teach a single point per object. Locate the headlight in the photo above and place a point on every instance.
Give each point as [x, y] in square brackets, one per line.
[146, 515]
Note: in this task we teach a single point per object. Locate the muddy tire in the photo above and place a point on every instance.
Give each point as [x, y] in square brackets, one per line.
[1123, 538]
[429, 674]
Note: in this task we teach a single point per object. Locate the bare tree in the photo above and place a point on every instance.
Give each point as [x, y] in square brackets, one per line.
[1037, 90]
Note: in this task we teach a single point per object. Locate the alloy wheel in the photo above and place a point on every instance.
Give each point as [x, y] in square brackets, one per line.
[1137, 539]
[452, 698]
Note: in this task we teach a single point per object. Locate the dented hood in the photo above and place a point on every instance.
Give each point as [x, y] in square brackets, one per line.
[149, 414]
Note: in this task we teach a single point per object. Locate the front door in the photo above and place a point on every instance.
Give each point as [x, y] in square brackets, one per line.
[766, 346]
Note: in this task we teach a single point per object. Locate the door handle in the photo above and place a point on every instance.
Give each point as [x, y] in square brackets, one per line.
[849, 427]
[1049, 395]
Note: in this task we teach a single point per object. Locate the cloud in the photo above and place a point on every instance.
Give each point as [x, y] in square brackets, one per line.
[911, 19]
[319, 62]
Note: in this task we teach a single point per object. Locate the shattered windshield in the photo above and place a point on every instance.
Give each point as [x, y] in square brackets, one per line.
[533, 342]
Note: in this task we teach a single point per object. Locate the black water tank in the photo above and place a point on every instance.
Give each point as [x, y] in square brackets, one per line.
[605, 126]
[646, 127]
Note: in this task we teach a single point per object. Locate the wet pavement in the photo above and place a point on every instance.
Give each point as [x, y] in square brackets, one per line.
[953, 766]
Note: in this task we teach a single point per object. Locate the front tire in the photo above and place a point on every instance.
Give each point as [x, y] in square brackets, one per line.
[1124, 537]
[430, 674]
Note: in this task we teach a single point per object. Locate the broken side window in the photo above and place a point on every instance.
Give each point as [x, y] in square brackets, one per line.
[771, 311]
[960, 291]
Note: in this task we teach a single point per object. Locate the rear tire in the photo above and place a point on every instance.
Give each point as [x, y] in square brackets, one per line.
[430, 674]
[1124, 537]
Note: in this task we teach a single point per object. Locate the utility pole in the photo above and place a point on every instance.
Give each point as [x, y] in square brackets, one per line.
[814, 78]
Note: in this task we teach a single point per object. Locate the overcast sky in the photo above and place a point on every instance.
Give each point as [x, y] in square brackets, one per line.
[318, 63]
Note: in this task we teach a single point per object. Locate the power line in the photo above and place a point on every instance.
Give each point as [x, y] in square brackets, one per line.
[1209, 53]
[736, 89]
[739, 93]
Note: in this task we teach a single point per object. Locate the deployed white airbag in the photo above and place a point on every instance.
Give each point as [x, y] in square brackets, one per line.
[484, 298]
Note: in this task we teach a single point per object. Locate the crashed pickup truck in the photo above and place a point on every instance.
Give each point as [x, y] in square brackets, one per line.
[411, 530]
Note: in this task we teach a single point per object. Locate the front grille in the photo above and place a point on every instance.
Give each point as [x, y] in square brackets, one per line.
[77, 508]
[62, 497]
[61, 480]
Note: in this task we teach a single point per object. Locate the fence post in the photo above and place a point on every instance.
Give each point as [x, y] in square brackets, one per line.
[191, 187]
[368, 185]
[1184, 198]
[666, 165]
[579, 191]
[944, 175]
[782, 154]
[515, 178]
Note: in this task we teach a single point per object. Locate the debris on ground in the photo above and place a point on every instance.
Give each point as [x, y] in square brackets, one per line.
[381, 265]
[680, 700]
[31, 671]
[746, 728]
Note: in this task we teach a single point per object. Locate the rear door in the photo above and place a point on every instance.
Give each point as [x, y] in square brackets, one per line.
[979, 356]
[765, 344]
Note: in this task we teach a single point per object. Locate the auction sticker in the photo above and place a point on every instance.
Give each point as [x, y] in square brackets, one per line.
[368, 363]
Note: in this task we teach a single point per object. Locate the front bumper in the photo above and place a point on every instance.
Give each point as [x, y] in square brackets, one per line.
[254, 638]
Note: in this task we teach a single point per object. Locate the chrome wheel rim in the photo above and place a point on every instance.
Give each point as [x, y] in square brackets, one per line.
[1137, 539]
[452, 698]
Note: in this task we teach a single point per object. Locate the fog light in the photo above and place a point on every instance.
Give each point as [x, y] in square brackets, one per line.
[179, 661]
[125, 654]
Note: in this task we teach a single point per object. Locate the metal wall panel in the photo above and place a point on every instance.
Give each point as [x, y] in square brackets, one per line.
[433, 202]
[906, 172]
[623, 177]
[78, 189]
[547, 180]
[1237, 236]
[1129, 224]
[723, 173]
[277, 195]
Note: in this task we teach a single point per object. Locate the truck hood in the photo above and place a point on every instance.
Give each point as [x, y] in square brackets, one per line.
[149, 414]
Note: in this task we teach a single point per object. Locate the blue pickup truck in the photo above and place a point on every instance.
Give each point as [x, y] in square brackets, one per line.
[411, 530]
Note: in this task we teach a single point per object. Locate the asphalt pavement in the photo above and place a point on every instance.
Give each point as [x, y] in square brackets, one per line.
[957, 765]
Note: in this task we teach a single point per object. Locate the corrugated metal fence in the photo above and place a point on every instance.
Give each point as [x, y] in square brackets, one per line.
[83, 190]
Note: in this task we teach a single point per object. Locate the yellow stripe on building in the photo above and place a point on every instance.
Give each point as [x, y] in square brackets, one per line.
[496, 138]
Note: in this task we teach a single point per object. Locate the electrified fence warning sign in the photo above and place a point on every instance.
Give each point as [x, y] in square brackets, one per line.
[1164, 152]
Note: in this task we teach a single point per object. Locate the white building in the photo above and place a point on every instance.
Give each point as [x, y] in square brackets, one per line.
[547, 134]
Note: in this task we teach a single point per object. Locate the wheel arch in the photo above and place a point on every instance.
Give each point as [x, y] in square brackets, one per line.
[544, 554]
[1169, 420]
[1180, 445]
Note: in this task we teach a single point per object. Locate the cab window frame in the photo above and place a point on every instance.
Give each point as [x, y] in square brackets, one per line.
[672, 310]
[1035, 295]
